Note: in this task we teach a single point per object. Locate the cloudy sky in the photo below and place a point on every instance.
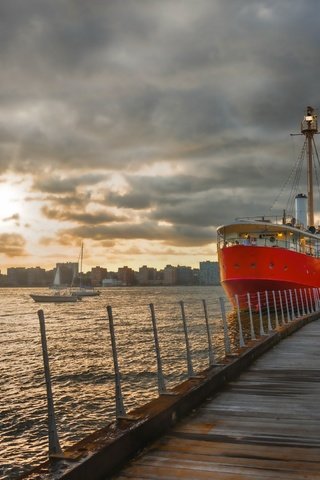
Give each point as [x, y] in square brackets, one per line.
[139, 126]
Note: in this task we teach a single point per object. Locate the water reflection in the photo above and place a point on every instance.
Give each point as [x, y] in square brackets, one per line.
[81, 364]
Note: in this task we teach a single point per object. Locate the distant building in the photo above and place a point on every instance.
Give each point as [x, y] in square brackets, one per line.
[184, 275]
[147, 276]
[111, 282]
[36, 276]
[3, 280]
[209, 273]
[17, 276]
[98, 274]
[195, 276]
[126, 275]
[170, 275]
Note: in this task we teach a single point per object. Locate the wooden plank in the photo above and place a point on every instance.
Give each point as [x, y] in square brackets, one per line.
[264, 425]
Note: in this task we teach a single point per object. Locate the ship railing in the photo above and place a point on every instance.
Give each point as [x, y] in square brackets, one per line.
[278, 220]
[263, 312]
[202, 334]
[312, 249]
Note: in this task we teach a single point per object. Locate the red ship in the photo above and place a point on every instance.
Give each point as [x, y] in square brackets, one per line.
[262, 254]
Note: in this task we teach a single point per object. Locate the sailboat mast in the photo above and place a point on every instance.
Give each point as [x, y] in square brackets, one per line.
[81, 257]
[309, 127]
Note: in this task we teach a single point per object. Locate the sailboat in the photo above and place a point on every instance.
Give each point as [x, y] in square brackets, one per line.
[268, 254]
[83, 291]
[59, 295]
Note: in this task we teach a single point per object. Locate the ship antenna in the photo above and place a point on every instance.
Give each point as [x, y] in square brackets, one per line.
[309, 127]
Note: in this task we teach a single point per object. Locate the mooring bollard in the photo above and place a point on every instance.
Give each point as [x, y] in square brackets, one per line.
[120, 410]
[189, 361]
[212, 360]
[227, 347]
[54, 445]
[275, 308]
[262, 332]
[253, 336]
[241, 339]
[161, 382]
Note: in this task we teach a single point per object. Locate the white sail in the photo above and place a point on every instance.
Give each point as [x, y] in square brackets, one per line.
[57, 281]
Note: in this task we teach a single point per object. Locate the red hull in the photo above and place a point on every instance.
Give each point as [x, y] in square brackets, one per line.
[252, 269]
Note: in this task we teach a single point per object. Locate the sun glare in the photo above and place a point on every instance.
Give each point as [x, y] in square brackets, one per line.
[11, 200]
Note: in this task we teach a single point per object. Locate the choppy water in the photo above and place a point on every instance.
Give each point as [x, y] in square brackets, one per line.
[81, 363]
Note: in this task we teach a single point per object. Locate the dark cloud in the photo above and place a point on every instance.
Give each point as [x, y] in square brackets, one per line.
[15, 217]
[64, 184]
[12, 245]
[181, 235]
[81, 217]
[206, 95]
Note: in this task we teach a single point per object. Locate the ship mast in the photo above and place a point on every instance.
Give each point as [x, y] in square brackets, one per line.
[309, 126]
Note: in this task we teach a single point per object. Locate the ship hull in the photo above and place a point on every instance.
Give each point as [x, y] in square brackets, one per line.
[252, 269]
[54, 298]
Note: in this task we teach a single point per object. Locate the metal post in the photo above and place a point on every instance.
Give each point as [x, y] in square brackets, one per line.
[241, 340]
[253, 336]
[308, 311]
[268, 312]
[297, 313]
[314, 292]
[287, 305]
[281, 307]
[314, 300]
[275, 308]
[310, 299]
[292, 306]
[262, 332]
[302, 303]
[54, 445]
[189, 362]
[210, 349]
[161, 382]
[317, 297]
[227, 347]
[120, 410]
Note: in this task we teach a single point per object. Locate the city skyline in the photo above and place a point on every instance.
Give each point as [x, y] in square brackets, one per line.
[207, 273]
[139, 127]
[53, 267]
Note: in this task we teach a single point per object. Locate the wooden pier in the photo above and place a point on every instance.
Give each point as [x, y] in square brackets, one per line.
[264, 425]
[254, 416]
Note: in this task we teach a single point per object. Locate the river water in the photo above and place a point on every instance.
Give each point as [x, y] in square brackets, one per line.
[81, 365]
